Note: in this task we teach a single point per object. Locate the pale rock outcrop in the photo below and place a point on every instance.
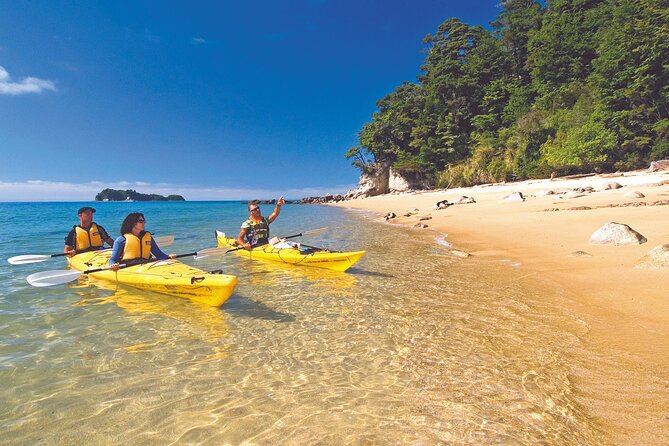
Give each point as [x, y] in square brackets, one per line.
[657, 257]
[634, 194]
[420, 226]
[374, 181]
[380, 178]
[658, 165]
[397, 183]
[617, 234]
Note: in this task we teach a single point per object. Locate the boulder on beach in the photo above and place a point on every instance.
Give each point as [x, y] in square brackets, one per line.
[516, 196]
[390, 215]
[443, 204]
[574, 194]
[657, 257]
[420, 225]
[465, 200]
[617, 234]
[610, 186]
[634, 194]
[580, 254]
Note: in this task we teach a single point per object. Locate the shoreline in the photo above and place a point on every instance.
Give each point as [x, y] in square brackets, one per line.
[625, 307]
[542, 233]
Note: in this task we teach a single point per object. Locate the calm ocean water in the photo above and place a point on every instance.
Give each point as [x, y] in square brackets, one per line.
[411, 346]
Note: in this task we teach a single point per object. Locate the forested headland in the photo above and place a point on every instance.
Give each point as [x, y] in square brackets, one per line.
[565, 87]
[132, 195]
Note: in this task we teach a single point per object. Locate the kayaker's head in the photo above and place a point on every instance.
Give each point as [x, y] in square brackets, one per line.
[85, 216]
[133, 223]
[254, 211]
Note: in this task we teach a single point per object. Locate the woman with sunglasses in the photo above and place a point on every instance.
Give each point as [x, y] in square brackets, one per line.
[135, 245]
[255, 230]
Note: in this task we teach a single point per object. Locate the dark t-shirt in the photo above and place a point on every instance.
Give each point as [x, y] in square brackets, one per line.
[71, 236]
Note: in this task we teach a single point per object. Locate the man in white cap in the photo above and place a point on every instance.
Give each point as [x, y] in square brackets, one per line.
[87, 235]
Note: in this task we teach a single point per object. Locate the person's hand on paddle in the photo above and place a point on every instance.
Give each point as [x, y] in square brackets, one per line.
[171, 256]
[70, 253]
[114, 266]
[247, 246]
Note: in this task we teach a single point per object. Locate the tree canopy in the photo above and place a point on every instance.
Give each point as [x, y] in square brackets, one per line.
[572, 86]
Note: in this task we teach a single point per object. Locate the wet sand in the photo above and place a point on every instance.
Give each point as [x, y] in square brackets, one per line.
[625, 307]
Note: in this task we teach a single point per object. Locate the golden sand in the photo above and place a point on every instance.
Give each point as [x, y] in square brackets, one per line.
[625, 307]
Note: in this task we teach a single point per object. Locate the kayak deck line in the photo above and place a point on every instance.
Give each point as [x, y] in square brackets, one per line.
[165, 276]
[314, 257]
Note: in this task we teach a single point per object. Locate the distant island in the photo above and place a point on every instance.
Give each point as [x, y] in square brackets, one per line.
[131, 195]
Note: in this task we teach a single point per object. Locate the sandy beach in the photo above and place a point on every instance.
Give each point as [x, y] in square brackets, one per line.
[625, 306]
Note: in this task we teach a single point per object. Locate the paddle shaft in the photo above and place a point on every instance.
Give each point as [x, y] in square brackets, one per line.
[35, 258]
[125, 265]
[267, 243]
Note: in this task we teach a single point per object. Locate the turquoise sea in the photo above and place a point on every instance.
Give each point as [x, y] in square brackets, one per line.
[410, 346]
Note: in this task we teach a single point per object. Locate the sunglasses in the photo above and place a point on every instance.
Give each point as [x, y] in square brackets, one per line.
[254, 209]
[141, 220]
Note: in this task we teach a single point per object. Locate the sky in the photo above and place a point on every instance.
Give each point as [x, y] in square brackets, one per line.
[212, 100]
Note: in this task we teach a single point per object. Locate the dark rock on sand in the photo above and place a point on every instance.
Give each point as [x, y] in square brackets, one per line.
[580, 254]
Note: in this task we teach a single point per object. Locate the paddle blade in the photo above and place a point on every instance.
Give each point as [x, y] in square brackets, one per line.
[315, 231]
[210, 252]
[28, 258]
[52, 278]
[165, 240]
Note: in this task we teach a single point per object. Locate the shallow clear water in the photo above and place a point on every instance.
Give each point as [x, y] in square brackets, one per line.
[411, 346]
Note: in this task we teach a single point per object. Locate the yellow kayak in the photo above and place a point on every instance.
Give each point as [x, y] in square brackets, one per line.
[319, 258]
[166, 276]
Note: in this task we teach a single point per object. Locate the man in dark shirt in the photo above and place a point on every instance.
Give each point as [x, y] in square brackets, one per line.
[87, 235]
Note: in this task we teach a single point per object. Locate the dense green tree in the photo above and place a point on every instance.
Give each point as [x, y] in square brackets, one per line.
[513, 26]
[389, 133]
[572, 86]
[632, 77]
[561, 51]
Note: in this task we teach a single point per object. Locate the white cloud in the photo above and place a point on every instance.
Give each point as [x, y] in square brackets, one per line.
[39, 190]
[27, 85]
[197, 41]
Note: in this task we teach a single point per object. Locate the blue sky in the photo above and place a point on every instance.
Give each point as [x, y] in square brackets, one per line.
[213, 100]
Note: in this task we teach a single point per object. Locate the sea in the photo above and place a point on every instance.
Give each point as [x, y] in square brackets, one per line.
[411, 346]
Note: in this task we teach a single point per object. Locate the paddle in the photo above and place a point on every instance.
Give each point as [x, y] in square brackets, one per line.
[59, 277]
[311, 232]
[35, 258]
